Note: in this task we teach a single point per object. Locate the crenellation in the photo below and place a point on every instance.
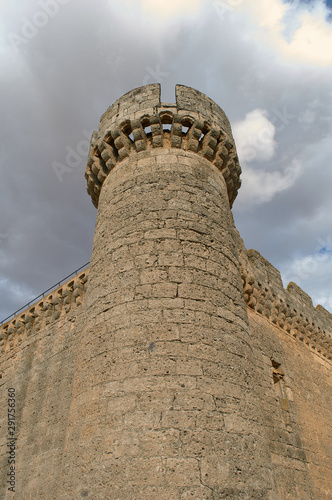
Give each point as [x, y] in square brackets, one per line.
[325, 313]
[299, 295]
[191, 99]
[290, 309]
[44, 312]
[134, 101]
[264, 270]
[179, 126]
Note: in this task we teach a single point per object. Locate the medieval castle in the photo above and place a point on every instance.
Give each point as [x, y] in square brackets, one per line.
[176, 366]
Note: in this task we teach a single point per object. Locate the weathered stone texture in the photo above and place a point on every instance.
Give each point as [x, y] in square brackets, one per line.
[295, 390]
[41, 369]
[182, 369]
[167, 334]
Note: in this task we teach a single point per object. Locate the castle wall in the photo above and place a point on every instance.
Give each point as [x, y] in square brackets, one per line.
[293, 386]
[182, 368]
[38, 362]
[294, 340]
[295, 393]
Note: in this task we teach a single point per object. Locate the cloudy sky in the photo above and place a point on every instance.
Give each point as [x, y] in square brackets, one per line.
[267, 63]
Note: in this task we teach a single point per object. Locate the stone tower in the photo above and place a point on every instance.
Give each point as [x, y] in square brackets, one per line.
[164, 403]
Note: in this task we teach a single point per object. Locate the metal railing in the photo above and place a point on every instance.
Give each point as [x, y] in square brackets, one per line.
[44, 293]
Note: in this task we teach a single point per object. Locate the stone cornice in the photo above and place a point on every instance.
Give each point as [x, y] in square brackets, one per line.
[138, 122]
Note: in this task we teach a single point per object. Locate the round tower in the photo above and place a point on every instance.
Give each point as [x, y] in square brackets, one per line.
[164, 403]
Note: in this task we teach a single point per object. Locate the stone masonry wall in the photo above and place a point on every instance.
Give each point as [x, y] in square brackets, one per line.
[43, 313]
[294, 340]
[295, 392]
[294, 387]
[166, 344]
[38, 361]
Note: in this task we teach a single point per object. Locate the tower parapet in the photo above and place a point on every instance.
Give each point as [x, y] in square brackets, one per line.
[139, 122]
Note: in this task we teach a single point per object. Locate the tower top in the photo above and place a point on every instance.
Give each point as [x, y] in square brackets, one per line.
[138, 122]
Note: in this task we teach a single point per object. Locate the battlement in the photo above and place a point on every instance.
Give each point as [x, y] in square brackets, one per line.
[290, 309]
[139, 122]
[50, 308]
